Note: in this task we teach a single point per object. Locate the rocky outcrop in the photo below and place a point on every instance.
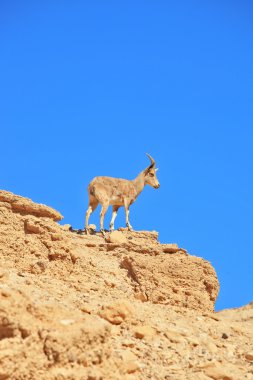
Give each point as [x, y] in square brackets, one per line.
[25, 206]
[121, 307]
[159, 273]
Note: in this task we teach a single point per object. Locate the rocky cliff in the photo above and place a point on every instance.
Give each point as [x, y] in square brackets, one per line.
[121, 307]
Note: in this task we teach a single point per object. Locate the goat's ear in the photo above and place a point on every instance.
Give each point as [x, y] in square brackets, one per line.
[156, 169]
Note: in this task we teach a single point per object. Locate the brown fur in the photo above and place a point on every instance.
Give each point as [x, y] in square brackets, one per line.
[118, 192]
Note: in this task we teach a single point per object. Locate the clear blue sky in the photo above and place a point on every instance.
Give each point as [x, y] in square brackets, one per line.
[87, 87]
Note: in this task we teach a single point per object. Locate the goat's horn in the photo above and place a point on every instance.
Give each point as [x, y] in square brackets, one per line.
[151, 159]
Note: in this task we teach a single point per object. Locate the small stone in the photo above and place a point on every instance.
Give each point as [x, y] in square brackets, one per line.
[32, 227]
[170, 248]
[193, 341]
[249, 356]
[93, 374]
[5, 293]
[141, 332]
[57, 255]
[71, 357]
[111, 284]
[128, 355]
[67, 322]
[4, 375]
[141, 296]
[3, 274]
[116, 313]
[116, 237]
[128, 343]
[82, 359]
[220, 372]
[130, 364]
[86, 308]
[76, 254]
[211, 347]
[224, 336]
[66, 227]
[56, 237]
[174, 336]
[39, 267]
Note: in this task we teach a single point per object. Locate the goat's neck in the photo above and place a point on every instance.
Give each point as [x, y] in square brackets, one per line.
[139, 183]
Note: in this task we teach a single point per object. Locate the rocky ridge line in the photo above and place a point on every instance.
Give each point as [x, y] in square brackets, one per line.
[82, 307]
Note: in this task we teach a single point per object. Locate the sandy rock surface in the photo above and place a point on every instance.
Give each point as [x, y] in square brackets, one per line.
[83, 307]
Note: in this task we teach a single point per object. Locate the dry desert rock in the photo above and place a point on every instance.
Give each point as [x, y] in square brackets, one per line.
[79, 307]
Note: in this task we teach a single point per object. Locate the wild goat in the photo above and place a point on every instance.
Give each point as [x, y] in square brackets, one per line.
[118, 192]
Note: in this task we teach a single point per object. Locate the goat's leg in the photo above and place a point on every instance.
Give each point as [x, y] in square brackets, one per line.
[126, 205]
[114, 214]
[102, 215]
[93, 203]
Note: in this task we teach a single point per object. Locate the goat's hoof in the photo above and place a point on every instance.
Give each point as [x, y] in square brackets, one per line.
[102, 232]
[129, 228]
[86, 230]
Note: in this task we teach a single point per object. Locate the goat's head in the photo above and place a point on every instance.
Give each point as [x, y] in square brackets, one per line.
[150, 174]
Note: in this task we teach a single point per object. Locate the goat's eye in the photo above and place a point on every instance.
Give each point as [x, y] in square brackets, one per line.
[151, 174]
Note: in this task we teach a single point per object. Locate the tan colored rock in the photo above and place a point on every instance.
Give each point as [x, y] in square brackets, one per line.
[211, 347]
[39, 267]
[249, 356]
[170, 248]
[174, 336]
[65, 227]
[76, 253]
[117, 312]
[160, 276]
[26, 206]
[199, 376]
[4, 375]
[32, 227]
[217, 371]
[128, 343]
[3, 274]
[130, 364]
[193, 341]
[111, 284]
[6, 293]
[57, 236]
[141, 332]
[70, 305]
[141, 296]
[116, 237]
[86, 308]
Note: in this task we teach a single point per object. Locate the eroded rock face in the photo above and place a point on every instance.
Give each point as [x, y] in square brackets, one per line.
[177, 280]
[126, 307]
[26, 206]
